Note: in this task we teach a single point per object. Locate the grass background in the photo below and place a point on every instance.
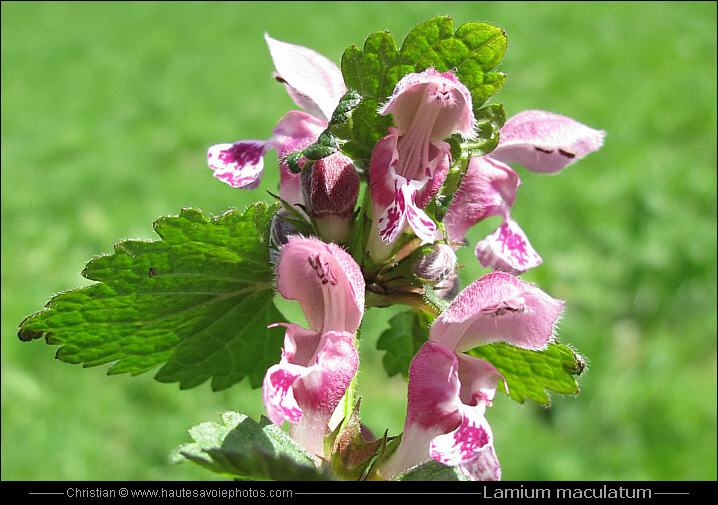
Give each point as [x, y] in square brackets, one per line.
[107, 111]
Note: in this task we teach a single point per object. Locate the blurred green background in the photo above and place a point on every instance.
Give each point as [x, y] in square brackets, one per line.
[107, 111]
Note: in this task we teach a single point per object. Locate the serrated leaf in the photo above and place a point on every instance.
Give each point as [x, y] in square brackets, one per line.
[375, 70]
[529, 374]
[472, 51]
[407, 332]
[199, 301]
[247, 449]
[489, 120]
[368, 128]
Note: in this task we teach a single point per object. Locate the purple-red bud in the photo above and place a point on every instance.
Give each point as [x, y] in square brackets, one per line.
[331, 187]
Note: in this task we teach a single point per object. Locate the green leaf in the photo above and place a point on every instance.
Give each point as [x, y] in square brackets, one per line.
[528, 374]
[375, 70]
[472, 51]
[198, 301]
[432, 471]
[247, 449]
[489, 120]
[406, 334]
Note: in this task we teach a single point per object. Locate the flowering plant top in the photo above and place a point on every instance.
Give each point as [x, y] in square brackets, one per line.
[387, 162]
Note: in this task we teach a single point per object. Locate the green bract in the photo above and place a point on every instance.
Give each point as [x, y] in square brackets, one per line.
[247, 449]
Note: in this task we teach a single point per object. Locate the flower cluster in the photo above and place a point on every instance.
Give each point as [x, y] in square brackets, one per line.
[449, 390]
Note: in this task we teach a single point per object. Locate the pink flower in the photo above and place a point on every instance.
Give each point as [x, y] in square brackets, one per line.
[318, 363]
[409, 165]
[498, 307]
[308, 383]
[326, 281]
[488, 189]
[313, 81]
[449, 391]
[544, 142]
[447, 398]
[241, 165]
[315, 84]
[540, 141]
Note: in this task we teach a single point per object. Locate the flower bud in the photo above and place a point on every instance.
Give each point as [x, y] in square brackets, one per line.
[331, 186]
[437, 265]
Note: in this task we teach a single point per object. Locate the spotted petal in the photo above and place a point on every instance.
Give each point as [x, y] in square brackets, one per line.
[404, 210]
[326, 280]
[545, 142]
[307, 385]
[300, 347]
[507, 250]
[240, 164]
[470, 447]
[448, 395]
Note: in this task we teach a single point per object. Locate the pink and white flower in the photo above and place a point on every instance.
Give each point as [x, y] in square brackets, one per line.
[540, 141]
[313, 81]
[409, 165]
[450, 391]
[317, 363]
[241, 165]
[315, 84]
[498, 307]
[447, 397]
[544, 142]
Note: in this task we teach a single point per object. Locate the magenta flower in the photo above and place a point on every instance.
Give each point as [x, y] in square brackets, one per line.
[241, 165]
[540, 141]
[318, 363]
[326, 281]
[315, 84]
[409, 165]
[449, 391]
[308, 383]
[447, 398]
